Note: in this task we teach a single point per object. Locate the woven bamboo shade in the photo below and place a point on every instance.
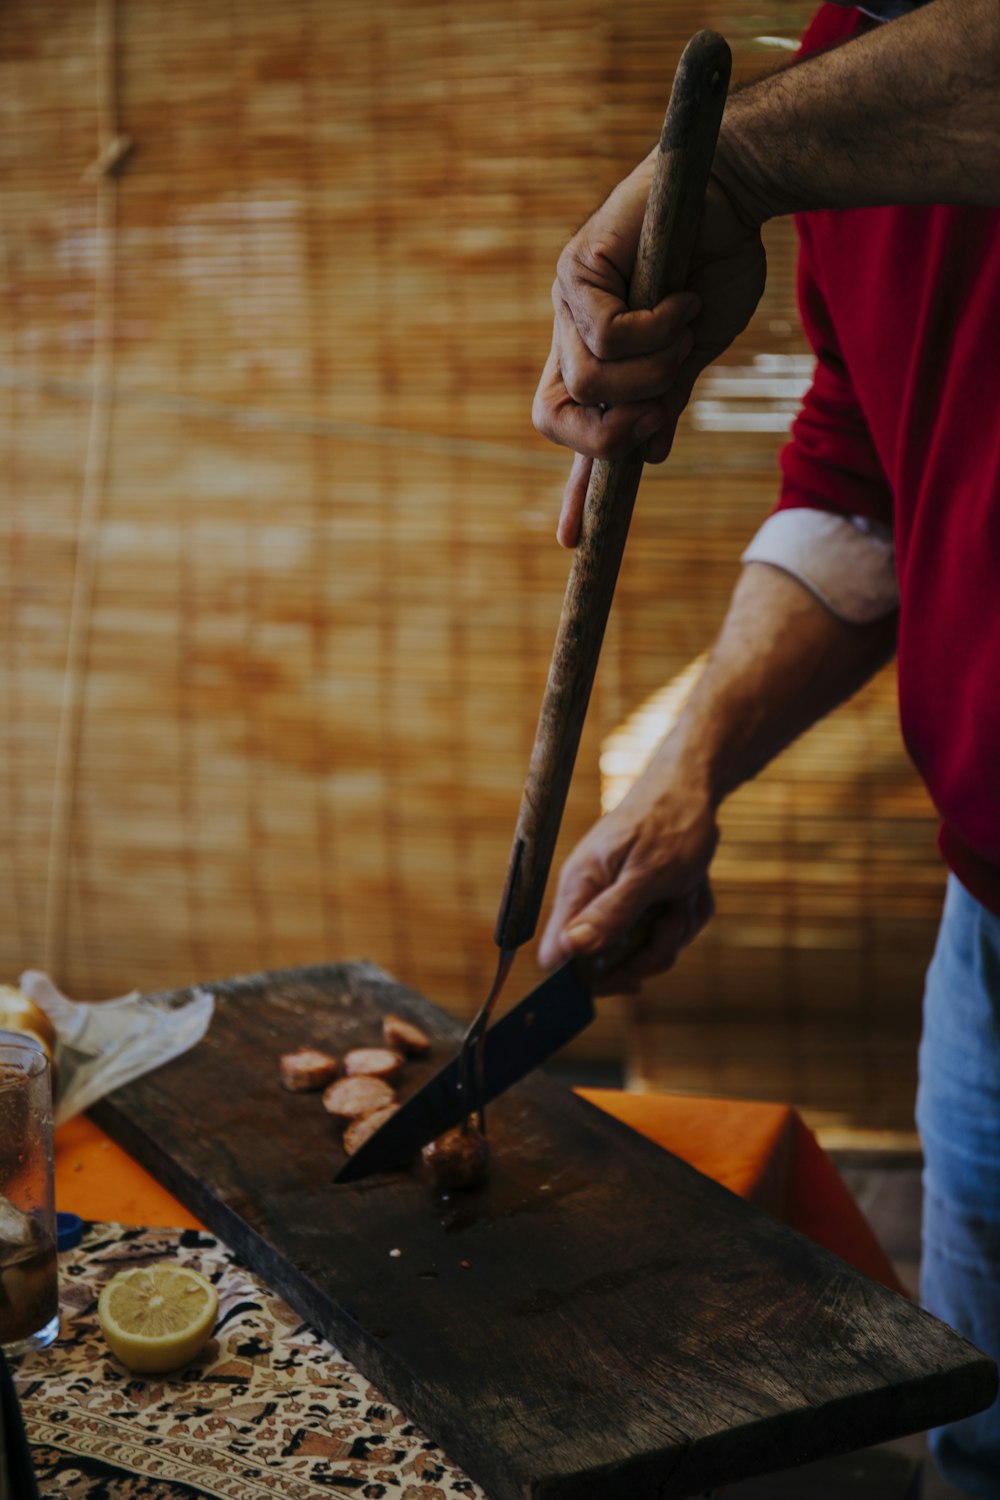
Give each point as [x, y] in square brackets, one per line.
[278, 567]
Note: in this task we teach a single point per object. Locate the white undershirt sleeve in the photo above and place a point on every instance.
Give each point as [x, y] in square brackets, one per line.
[847, 562]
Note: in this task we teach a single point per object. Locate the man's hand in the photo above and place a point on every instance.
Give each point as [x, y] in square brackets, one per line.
[908, 112]
[642, 868]
[615, 379]
[781, 662]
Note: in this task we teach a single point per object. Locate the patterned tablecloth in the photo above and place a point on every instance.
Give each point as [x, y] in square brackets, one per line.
[269, 1407]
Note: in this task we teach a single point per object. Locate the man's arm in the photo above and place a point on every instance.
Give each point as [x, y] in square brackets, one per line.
[782, 661]
[908, 112]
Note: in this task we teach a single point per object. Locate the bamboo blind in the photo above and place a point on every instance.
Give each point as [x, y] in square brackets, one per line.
[279, 577]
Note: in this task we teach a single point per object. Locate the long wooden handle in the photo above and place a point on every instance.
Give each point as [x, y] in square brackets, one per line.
[673, 212]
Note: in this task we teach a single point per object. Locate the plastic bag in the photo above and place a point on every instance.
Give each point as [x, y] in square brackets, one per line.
[100, 1047]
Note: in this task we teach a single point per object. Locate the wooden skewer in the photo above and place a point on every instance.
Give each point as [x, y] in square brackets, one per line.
[669, 227]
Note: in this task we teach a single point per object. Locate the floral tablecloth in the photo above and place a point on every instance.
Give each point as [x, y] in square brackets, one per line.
[269, 1407]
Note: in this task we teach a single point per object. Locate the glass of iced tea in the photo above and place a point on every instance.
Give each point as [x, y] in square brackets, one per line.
[29, 1285]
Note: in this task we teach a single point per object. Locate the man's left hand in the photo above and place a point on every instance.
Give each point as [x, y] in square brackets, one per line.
[616, 378]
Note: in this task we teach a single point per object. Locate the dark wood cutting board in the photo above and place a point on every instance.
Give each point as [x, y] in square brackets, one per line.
[598, 1322]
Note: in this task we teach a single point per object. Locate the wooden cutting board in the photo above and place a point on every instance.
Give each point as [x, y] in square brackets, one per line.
[598, 1322]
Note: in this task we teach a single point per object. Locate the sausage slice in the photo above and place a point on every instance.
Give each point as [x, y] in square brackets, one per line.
[350, 1098]
[457, 1159]
[307, 1069]
[373, 1062]
[362, 1130]
[404, 1036]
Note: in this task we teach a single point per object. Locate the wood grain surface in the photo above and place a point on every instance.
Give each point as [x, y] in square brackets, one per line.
[598, 1320]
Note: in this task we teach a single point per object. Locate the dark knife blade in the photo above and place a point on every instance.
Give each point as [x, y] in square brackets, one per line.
[552, 1015]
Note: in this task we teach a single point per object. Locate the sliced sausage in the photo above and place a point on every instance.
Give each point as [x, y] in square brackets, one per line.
[350, 1098]
[362, 1130]
[404, 1036]
[307, 1069]
[373, 1062]
[457, 1159]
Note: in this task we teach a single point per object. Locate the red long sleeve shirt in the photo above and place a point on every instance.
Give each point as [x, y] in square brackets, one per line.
[902, 424]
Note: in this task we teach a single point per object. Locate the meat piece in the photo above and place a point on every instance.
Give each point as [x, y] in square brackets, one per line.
[361, 1130]
[404, 1036]
[350, 1098]
[307, 1069]
[373, 1062]
[458, 1159]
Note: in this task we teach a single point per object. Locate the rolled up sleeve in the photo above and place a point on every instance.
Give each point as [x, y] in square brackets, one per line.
[848, 563]
[832, 526]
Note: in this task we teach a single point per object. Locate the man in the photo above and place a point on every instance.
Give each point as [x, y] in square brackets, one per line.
[887, 531]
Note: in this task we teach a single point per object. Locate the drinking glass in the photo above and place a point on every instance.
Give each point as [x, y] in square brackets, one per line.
[29, 1285]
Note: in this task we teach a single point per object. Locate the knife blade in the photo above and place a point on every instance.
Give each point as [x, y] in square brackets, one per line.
[534, 1030]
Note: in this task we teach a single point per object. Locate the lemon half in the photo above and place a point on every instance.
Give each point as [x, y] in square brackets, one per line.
[156, 1318]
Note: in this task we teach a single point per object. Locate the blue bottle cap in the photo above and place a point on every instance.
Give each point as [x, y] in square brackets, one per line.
[69, 1231]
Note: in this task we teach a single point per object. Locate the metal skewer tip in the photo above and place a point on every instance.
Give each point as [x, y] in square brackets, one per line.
[472, 1057]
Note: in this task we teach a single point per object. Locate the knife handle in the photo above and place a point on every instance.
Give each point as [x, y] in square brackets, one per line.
[669, 228]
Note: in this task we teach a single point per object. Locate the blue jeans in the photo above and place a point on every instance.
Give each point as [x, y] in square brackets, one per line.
[958, 1116]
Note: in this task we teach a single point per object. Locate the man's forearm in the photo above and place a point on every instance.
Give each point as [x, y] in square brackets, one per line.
[909, 112]
[782, 661]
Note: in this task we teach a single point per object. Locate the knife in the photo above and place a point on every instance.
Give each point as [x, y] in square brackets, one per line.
[548, 1018]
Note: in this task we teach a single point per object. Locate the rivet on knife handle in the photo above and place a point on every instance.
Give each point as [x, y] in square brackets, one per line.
[669, 229]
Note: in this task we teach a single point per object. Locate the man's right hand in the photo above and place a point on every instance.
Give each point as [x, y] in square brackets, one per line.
[642, 867]
[615, 379]
[782, 660]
